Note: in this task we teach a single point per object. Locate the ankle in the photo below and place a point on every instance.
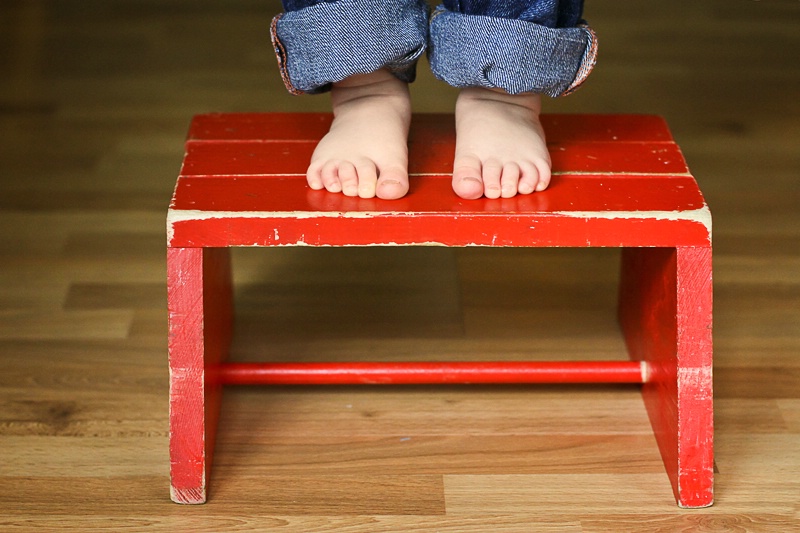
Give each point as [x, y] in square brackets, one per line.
[380, 83]
[365, 80]
[378, 90]
[479, 95]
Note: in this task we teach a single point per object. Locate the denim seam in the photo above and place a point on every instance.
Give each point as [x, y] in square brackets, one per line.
[587, 62]
[280, 53]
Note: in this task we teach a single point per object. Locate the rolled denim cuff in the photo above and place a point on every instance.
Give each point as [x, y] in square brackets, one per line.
[514, 55]
[329, 41]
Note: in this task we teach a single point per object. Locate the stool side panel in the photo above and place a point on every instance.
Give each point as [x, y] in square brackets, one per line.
[186, 365]
[660, 291]
[695, 379]
[200, 307]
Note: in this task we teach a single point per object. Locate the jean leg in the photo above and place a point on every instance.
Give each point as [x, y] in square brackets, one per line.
[320, 42]
[540, 46]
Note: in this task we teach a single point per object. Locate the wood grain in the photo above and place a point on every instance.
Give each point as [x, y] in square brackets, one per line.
[95, 99]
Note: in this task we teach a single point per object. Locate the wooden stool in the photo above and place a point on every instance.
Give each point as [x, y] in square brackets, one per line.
[619, 181]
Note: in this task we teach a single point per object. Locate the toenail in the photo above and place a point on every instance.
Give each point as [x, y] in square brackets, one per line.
[524, 188]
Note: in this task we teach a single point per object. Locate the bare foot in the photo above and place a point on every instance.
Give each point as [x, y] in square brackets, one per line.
[365, 153]
[500, 146]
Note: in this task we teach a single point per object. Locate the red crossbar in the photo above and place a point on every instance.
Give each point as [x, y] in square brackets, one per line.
[431, 373]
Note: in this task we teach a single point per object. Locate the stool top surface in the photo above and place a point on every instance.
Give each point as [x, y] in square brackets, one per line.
[605, 167]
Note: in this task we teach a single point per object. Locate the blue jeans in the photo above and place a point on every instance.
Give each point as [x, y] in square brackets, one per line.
[539, 46]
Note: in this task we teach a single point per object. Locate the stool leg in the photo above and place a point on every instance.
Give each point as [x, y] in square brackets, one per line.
[200, 323]
[666, 317]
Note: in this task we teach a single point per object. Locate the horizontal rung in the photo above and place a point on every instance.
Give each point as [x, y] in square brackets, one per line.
[427, 373]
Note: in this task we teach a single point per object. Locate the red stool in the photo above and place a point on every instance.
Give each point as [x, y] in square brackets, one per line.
[620, 181]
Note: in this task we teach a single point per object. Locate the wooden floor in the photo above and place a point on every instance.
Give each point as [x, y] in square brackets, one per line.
[95, 98]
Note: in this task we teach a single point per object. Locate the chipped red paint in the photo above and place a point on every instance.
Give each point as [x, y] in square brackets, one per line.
[619, 181]
[666, 316]
[200, 321]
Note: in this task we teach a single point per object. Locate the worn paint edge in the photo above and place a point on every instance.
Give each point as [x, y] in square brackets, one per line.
[175, 216]
[702, 215]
